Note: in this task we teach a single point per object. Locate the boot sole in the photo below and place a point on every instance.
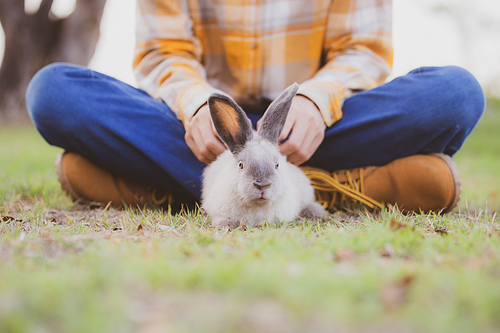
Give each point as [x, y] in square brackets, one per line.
[65, 186]
[455, 174]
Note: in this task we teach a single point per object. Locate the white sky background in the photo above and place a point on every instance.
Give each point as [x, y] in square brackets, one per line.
[422, 37]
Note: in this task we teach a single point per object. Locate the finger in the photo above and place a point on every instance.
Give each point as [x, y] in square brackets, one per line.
[294, 142]
[206, 145]
[296, 159]
[310, 146]
[219, 146]
[199, 147]
[189, 141]
[194, 148]
[301, 147]
[289, 124]
[212, 143]
[202, 148]
[211, 138]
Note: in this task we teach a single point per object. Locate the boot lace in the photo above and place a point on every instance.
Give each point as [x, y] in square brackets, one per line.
[159, 200]
[352, 189]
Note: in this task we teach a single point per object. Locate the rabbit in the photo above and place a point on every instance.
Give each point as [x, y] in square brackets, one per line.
[251, 182]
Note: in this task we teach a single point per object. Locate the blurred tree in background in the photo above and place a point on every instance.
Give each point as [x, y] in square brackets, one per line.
[33, 40]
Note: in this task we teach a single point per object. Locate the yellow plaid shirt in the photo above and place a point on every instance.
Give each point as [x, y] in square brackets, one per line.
[253, 49]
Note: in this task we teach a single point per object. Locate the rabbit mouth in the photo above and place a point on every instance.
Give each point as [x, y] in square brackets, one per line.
[261, 197]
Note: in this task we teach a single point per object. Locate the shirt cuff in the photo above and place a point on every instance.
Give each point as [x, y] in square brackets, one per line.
[328, 97]
[188, 99]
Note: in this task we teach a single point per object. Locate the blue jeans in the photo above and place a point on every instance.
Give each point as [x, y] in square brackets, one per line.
[124, 130]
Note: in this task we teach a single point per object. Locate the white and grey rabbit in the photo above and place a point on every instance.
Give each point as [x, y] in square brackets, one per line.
[252, 182]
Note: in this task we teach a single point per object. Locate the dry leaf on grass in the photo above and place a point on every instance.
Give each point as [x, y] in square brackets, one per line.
[393, 295]
[493, 232]
[345, 254]
[141, 230]
[388, 251]
[8, 219]
[398, 225]
[442, 231]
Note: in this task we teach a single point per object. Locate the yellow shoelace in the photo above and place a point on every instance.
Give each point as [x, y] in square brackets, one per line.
[167, 197]
[354, 190]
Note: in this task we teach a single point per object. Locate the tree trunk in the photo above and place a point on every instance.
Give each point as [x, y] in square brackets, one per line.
[35, 40]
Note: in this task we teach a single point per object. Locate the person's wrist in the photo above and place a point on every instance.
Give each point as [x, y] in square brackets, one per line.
[201, 107]
[313, 108]
[311, 103]
[307, 100]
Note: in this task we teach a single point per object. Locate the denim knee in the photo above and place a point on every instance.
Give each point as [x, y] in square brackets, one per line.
[42, 94]
[464, 98]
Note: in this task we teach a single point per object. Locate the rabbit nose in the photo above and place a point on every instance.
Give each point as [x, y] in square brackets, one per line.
[260, 185]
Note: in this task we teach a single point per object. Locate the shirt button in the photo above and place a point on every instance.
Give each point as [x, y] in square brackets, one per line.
[253, 46]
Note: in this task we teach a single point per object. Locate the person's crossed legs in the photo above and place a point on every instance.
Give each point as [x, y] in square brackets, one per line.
[125, 134]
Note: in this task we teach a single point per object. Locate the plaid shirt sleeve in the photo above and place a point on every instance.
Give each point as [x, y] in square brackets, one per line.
[168, 55]
[188, 49]
[359, 54]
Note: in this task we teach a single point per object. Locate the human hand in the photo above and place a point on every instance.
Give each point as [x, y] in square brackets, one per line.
[307, 128]
[202, 138]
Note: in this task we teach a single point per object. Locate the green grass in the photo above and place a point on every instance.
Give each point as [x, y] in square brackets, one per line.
[66, 270]
[479, 162]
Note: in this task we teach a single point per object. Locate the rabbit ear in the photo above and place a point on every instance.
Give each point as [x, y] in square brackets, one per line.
[274, 119]
[230, 121]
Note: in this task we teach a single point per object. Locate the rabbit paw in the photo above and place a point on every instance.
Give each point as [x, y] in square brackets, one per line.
[223, 222]
[314, 212]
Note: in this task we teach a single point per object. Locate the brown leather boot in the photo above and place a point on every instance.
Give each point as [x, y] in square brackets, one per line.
[87, 183]
[415, 183]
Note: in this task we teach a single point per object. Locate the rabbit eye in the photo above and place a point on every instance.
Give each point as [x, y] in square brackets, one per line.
[277, 165]
[240, 165]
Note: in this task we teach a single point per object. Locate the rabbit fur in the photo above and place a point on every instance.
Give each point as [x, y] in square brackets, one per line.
[252, 182]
